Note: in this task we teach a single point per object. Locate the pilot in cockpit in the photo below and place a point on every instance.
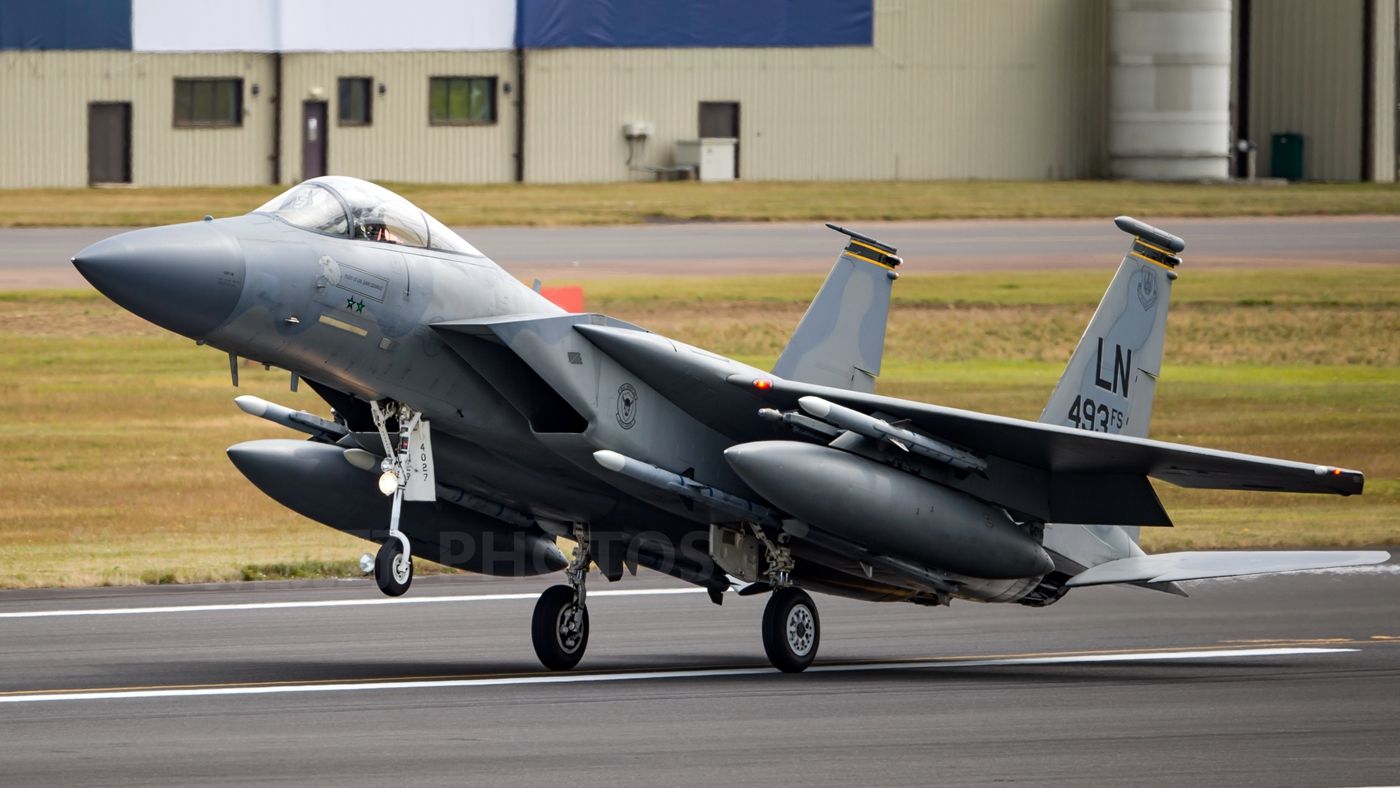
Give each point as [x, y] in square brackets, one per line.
[370, 225]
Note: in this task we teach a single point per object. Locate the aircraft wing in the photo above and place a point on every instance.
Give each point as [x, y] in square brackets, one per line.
[1068, 451]
[1172, 567]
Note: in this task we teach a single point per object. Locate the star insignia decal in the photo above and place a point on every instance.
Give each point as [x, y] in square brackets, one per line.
[355, 306]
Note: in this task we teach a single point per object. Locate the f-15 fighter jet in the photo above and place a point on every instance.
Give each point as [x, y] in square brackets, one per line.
[475, 423]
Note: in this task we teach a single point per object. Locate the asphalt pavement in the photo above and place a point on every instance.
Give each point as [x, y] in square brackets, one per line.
[38, 257]
[1287, 680]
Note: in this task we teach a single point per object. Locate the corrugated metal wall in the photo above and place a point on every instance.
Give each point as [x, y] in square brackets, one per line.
[954, 89]
[46, 96]
[399, 144]
[1305, 77]
[950, 89]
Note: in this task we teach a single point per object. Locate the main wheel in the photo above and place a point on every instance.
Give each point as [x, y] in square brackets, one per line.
[791, 630]
[393, 570]
[559, 628]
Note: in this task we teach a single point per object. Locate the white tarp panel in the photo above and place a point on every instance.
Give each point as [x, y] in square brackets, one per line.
[321, 25]
[204, 26]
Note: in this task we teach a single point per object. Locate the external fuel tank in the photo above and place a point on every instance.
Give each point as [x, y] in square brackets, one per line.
[889, 511]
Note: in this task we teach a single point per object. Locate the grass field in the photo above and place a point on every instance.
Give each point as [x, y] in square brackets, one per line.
[112, 446]
[630, 203]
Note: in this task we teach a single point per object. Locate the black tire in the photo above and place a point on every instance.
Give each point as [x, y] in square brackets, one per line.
[384, 573]
[556, 648]
[791, 630]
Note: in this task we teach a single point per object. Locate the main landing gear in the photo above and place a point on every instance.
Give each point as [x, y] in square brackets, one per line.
[393, 565]
[791, 627]
[559, 628]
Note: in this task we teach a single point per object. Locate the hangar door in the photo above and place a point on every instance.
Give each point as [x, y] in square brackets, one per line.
[313, 139]
[109, 142]
[721, 119]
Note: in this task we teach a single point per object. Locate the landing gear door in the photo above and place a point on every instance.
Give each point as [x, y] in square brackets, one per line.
[422, 480]
[735, 551]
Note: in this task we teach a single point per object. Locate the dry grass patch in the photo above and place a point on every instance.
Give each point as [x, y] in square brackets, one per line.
[112, 431]
[631, 203]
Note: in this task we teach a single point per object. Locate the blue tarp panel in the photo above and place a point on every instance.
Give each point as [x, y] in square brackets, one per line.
[546, 24]
[65, 24]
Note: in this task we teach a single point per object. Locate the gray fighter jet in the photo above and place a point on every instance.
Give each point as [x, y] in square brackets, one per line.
[474, 423]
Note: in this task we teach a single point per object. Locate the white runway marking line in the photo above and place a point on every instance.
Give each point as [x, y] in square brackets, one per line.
[565, 678]
[417, 600]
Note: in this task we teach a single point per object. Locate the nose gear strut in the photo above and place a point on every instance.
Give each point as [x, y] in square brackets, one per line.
[393, 566]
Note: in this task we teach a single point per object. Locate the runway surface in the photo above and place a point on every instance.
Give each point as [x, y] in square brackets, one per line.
[1291, 680]
[31, 258]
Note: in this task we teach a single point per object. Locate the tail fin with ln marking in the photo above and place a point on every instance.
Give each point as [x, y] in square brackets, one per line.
[840, 341]
[1111, 377]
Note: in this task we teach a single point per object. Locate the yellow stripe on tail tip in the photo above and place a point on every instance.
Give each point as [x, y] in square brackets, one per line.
[877, 255]
[1154, 247]
[1150, 260]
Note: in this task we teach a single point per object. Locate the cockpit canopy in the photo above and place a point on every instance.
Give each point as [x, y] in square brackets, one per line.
[352, 208]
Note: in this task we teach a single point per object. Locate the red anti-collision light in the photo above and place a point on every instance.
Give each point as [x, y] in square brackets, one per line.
[763, 384]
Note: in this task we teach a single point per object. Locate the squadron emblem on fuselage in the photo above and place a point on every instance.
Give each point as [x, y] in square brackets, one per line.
[626, 406]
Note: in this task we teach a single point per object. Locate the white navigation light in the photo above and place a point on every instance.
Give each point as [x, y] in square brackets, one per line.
[388, 482]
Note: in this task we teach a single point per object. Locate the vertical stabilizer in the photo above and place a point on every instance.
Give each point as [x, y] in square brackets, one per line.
[1111, 377]
[841, 339]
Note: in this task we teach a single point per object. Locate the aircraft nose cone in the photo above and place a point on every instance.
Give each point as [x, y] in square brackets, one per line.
[186, 277]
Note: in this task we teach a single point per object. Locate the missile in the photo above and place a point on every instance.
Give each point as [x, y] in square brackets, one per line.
[484, 506]
[799, 422]
[299, 420]
[881, 430]
[663, 479]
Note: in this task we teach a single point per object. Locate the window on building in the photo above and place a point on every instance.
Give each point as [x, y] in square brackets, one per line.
[209, 102]
[355, 101]
[461, 100]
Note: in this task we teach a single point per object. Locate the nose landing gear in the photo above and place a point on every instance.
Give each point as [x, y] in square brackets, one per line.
[393, 565]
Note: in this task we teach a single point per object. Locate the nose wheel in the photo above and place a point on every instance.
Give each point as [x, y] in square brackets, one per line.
[393, 568]
[791, 630]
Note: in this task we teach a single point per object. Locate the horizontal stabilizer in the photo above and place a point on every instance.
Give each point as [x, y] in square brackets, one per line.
[1173, 567]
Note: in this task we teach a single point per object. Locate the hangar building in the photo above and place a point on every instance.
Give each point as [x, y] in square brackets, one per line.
[207, 92]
